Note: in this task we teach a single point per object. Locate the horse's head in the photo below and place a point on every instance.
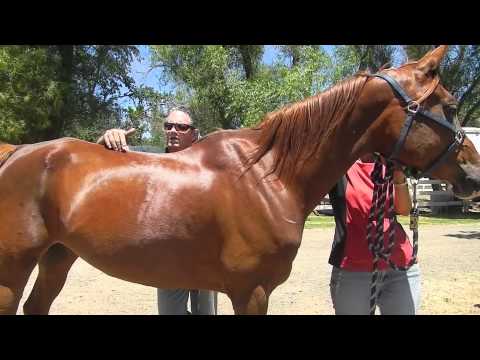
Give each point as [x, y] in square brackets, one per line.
[420, 128]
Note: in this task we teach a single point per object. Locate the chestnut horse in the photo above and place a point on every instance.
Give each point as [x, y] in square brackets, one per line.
[226, 214]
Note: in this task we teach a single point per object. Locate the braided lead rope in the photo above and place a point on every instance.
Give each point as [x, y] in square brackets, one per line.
[391, 213]
[383, 185]
[375, 243]
[373, 288]
[370, 242]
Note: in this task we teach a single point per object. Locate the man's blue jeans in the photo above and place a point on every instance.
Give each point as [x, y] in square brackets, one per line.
[174, 302]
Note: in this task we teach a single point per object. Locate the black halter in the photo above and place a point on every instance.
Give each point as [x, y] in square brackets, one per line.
[413, 108]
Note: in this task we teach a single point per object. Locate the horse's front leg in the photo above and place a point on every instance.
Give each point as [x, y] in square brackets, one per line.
[251, 279]
[251, 302]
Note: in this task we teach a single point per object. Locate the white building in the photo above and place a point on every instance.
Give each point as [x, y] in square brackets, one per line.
[473, 134]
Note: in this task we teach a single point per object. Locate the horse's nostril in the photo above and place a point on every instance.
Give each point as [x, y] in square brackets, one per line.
[473, 179]
[472, 183]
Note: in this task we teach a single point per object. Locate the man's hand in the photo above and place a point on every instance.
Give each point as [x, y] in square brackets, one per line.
[116, 139]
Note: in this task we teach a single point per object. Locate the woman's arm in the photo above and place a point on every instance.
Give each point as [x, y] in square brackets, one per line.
[403, 203]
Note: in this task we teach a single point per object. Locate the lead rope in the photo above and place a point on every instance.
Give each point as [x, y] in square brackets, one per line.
[383, 185]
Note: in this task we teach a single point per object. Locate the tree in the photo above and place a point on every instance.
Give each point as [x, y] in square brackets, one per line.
[95, 78]
[199, 73]
[228, 86]
[246, 58]
[30, 93]
[298, 72]
[147, 116]
[373, 57]
[350, 59]
[62, 90]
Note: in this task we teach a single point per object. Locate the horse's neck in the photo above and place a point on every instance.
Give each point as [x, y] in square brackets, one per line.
[339, 149]
[316, 180]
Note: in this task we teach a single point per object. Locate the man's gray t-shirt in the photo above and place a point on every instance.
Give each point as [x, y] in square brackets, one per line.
[147, 148]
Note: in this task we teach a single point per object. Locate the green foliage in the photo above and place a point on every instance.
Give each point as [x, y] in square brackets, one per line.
[76, 90]
[147, 116]
[345, 63]
[228, 86]
[29, 93]
[350, 59]
[99, 77]
[290, 79]
[200, 75]
[62, 90]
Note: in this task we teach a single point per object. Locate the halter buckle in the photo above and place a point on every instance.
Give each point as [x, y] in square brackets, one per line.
[459, 137]
[413, 106]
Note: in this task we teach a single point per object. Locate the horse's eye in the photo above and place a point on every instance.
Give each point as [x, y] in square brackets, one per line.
[450, 111]
[432, 73]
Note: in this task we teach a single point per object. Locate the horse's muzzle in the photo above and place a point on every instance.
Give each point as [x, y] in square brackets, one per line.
[469, 186]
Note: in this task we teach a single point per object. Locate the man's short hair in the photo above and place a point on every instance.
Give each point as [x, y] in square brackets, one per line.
[183, 109]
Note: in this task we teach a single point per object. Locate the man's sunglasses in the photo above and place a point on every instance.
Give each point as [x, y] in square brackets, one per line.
[179, 127]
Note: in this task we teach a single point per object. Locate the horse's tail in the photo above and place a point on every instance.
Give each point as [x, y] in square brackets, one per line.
[6, 150]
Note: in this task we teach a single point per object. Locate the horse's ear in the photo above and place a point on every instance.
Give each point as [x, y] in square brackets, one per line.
[431, 61]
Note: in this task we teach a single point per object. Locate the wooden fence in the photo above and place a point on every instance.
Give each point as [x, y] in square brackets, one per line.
[435, 200]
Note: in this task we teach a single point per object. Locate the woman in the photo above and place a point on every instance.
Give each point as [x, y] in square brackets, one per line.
[398, 292]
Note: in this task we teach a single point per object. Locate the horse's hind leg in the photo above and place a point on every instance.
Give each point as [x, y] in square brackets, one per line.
[14, 273]
[53, 269]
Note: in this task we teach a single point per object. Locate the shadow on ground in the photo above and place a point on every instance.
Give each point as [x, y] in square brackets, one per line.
[471, 235]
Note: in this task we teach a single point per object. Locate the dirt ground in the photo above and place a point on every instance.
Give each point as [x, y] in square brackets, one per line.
[449, 257]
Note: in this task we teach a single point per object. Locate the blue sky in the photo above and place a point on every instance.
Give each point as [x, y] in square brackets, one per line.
[140, 70]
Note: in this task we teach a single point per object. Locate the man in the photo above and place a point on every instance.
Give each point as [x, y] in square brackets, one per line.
[180, 134]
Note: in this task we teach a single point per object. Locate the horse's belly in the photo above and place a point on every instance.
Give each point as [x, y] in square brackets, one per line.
[158, 262]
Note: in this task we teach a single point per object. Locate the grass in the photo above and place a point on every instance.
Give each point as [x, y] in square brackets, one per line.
[325, 221]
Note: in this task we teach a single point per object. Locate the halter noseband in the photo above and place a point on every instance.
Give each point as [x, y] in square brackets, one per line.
[413, 108]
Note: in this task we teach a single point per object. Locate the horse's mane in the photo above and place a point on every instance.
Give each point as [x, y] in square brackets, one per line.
[297, 130]
[5, 151]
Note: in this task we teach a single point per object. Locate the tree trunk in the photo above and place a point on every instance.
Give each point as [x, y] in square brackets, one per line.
[247, 62]
[65, 77]
[66, 52]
